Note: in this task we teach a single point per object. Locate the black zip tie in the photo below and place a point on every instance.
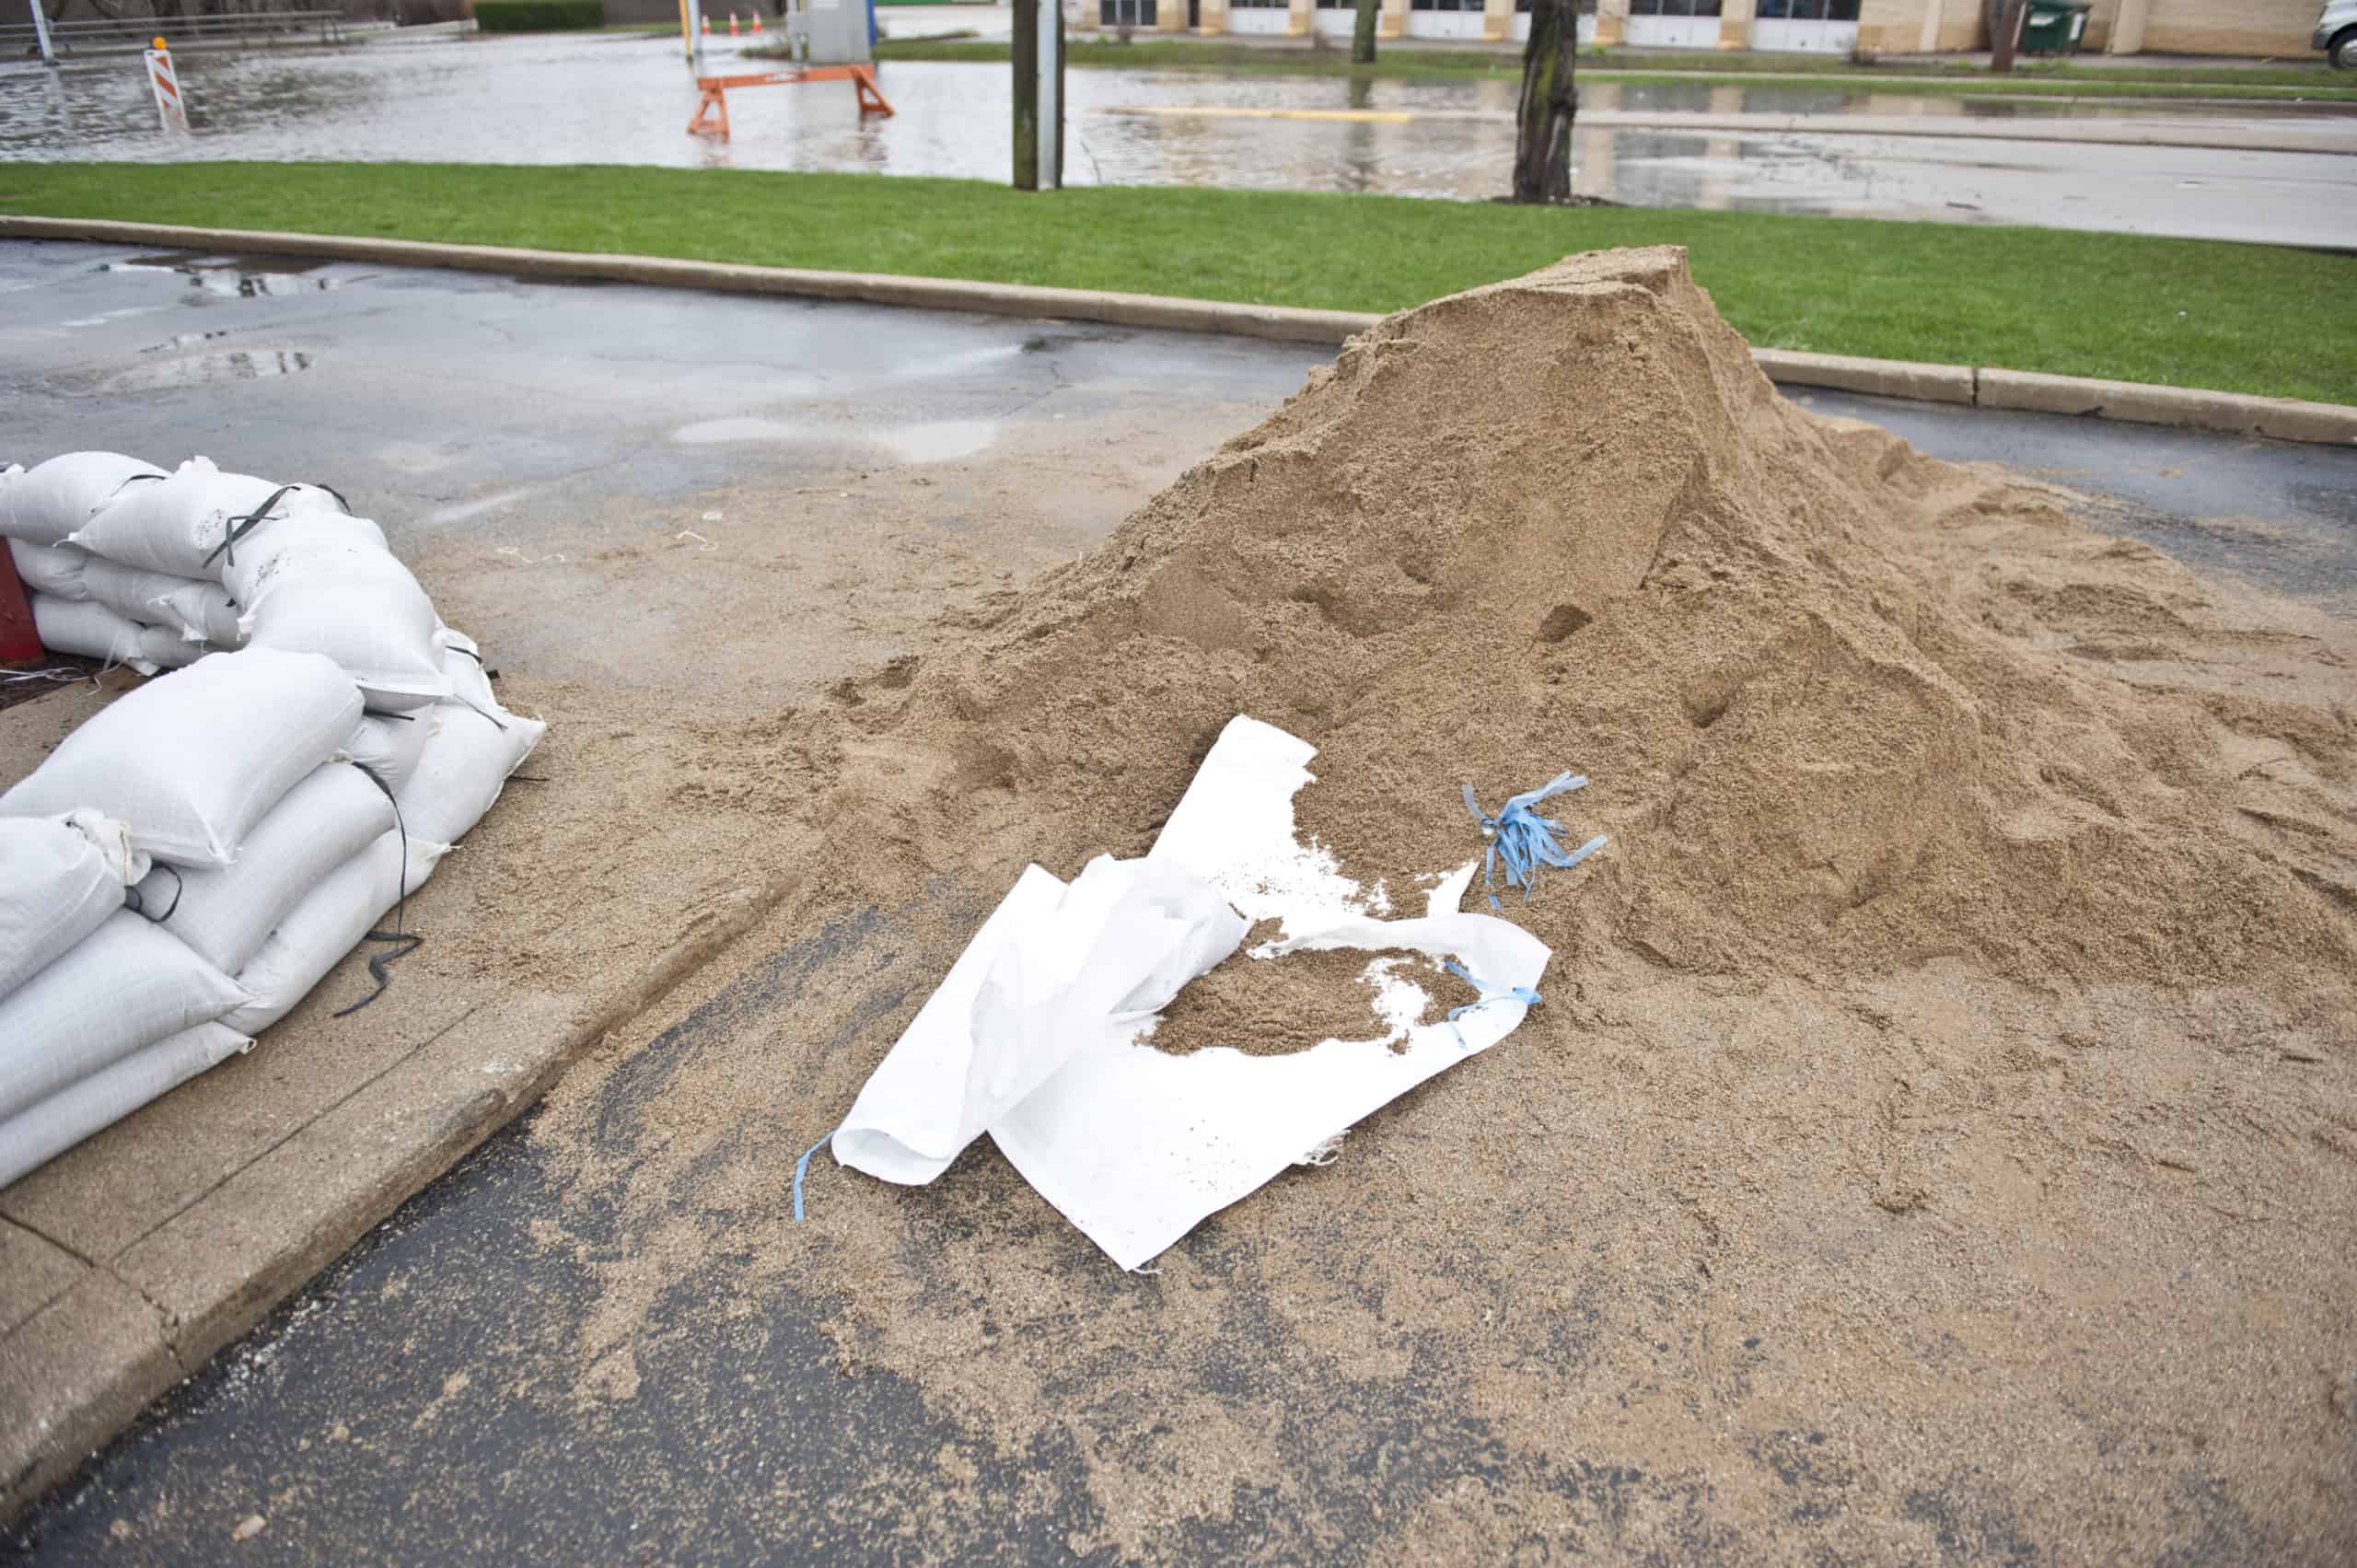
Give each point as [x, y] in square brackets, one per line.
[469, 652]
[127, 483]
[331, 490]
[235, 528]
[137, 904]
[470, 707]
[406, 944]
[382, 962]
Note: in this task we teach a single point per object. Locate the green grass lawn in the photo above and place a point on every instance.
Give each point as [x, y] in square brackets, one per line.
[2056, 79]
[2194, 313]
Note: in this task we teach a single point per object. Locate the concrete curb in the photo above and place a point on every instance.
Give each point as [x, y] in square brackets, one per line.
[129, 1327]
[2285, 419]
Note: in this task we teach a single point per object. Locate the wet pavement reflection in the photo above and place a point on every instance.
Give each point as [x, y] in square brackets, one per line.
[613, 98]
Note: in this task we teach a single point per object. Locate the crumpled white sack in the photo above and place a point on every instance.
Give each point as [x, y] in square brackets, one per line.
[465, 763]
[44, 504]
[1134, 1146]
[389, 745]
[1054, 971]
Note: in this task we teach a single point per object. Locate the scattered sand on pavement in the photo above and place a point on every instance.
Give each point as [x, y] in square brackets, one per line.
[1940, 1133]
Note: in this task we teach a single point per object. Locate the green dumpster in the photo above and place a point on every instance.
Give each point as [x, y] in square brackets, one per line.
[2053, 27]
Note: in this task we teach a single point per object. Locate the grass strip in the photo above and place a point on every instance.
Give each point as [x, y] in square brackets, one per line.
[2191, 313]
[2257, 82]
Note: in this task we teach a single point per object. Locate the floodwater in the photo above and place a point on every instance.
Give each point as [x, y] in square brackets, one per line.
[625, 100]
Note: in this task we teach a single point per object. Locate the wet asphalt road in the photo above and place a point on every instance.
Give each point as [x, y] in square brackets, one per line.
[409, 1404]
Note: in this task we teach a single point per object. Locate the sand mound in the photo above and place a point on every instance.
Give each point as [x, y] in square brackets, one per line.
[1564, 522]
[1939, 1138]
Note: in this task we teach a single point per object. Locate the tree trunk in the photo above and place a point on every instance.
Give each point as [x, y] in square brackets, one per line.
[1542, 138]
[1026, 52]
[2003, 35]
[1363, 33]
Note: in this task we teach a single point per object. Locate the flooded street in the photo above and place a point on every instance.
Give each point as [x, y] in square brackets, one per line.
[607, 99]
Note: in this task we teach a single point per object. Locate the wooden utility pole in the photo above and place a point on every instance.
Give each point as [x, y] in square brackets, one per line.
[2004, 35]
[1363, 32]
[1542, 137]
[1038, 51]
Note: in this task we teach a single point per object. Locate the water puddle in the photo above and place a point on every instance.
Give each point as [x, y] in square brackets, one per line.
[234, 277]
[208, 370]
[940, 441]
[715, 432]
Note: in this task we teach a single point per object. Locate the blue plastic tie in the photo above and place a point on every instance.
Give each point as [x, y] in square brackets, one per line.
[1524, 840]
[1522, 993]
[801, 1166]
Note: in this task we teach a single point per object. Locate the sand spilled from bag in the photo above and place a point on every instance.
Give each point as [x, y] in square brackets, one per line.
[1941, 1126]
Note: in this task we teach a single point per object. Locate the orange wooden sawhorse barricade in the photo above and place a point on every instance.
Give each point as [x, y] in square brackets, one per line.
[711, 118]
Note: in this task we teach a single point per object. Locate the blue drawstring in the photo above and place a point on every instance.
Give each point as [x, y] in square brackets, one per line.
[799, 1167]
[1525, 839]
[1522, 993]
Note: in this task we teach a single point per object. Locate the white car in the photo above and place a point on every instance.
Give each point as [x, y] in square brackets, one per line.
[2337, 33]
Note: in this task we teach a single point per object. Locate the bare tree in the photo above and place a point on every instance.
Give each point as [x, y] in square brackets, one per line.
[1363, 32]
[1542, 137]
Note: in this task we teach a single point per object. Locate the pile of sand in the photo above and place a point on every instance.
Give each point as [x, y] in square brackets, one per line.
[1564, 522]
[1940, 1135]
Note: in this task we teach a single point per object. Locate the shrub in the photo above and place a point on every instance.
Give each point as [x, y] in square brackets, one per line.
[538, 16]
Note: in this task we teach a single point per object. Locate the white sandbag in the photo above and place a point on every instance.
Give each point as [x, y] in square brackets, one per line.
[328, 923]
[179, 526]
[60, 877]
[466, 764]
[192, 760]
[91, 630]
[46, 503]
[389, 744]
[124, 986]
[285, 542]
[197, 611]
[35, 1136]
[52, 569]
[362, 609]
[226, 913]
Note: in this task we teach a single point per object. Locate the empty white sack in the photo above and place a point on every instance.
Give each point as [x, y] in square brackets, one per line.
[34, 1136]
[52, 569]
[49, 501]
[465, 765]
[226, 913]
[389, 744]
[124, 986]
[198, 611]
[191, 761]
[60, 877]
[91, 630]
[1134, 1146]
[178, 524]
[328, 923]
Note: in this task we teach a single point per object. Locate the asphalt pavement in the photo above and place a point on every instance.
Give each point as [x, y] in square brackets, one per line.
[415, 1402]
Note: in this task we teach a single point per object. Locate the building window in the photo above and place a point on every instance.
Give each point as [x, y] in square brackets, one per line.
[1675, 8]
[1125, 13]
[1808, 10]
[1444, 4]
[1586, 7]
[1333, 4]
[1255, 4]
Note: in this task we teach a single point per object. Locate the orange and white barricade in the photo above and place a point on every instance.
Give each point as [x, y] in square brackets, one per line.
[171, 107]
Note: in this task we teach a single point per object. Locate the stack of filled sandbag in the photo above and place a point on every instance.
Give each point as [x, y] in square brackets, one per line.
[190, 863]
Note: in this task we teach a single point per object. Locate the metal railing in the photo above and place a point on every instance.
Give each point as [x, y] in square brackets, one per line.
[309, 24]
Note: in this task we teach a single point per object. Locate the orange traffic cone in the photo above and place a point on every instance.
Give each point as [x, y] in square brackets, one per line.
[707, 27]
[757, 22]
[732, 24]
